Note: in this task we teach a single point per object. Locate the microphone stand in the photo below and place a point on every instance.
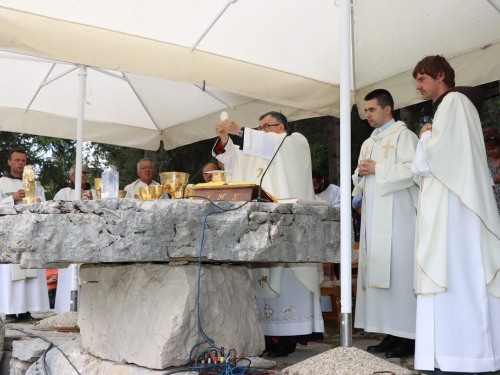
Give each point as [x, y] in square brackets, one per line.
[259, 196]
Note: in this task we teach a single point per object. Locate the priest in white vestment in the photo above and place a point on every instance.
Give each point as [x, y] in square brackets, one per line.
[385, 301]
[287, 295]
[63, 292]
[458, 232]
[145, 171]
[21, 291]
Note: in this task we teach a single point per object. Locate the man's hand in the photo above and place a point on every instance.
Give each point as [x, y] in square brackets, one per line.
[18, 195]
[52, 279]
[230, 126]
[86, 195]
[426, 127]
[366, 166]
[221, 132]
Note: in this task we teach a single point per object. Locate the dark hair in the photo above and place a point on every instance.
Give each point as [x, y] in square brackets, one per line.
[493, 139]
[19, 151]
[488, 124]
[384, 98]
[316, 174]
[279, 117]
[433, 66]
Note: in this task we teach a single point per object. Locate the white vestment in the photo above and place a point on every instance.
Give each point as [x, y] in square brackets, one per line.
[64, 276]
[458, 241]
[281, 314]
[27, 294]
[385, 301]
[133, 189]
[68, 194]
[331, 195]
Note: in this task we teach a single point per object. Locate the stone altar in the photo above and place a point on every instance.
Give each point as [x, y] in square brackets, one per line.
[108, 235]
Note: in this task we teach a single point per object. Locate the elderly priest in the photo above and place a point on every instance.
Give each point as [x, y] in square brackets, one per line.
[287, 295]
[145, 171]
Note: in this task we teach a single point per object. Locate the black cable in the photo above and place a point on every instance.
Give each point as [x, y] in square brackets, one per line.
[51, 344]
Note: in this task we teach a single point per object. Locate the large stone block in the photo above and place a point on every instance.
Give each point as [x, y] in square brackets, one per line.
[29, 350]
[146, 313]
[130, 230]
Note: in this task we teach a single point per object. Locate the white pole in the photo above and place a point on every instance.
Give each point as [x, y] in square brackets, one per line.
[345, 175]
[82, 75]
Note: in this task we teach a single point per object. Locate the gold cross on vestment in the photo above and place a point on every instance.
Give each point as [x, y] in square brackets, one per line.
[367, 153]
[386, 148]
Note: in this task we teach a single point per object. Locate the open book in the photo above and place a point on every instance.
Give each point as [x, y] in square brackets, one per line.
[308, 201]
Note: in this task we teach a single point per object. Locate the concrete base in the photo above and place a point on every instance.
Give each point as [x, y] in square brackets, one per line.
[146, 313]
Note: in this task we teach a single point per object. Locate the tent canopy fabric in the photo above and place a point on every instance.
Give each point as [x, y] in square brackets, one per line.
[259, 55]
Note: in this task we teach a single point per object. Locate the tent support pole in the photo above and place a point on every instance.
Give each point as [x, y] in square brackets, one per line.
[82, 76]
[345, 175]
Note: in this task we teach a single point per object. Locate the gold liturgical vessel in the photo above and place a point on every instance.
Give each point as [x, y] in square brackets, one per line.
[174, 182]
[29, 185]
[97, 187]
[219, 176]
[151, 192]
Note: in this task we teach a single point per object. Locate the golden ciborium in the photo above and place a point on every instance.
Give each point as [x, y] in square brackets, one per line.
[97, 187]
[174, 182]
[188, 191]
[151, 192]
[29, 185]
[121, 193]
[219, 176]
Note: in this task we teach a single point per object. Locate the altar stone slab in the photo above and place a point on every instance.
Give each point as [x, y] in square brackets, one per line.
[53, 233]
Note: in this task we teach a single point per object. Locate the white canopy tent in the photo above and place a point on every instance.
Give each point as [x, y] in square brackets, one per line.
[286, 52]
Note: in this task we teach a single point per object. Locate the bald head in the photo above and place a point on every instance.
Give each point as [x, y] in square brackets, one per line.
[209, 167]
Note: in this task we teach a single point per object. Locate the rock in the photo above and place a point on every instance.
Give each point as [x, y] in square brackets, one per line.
[10, 336]
[130, 230]
[261, 363]
[5, 363]
[28, 350]
[146, 313]
[2, 336]
[86, 364]
[344, 361]
[18, 367]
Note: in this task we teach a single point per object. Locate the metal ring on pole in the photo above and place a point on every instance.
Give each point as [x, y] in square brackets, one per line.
[354, 2]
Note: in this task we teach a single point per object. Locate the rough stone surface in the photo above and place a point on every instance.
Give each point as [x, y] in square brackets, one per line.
[2, 336]
[146, 313]
[18, 367]
[65, 320]
[130, 230]
[5, 363]
[28, 350]
[86, 364]
[344, 361]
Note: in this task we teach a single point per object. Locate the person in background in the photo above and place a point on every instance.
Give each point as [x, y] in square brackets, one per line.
[492, 144]
[51, 274]
[325, 191]
[490, 128]
[146, 172]
[208, 168]
[68, 193]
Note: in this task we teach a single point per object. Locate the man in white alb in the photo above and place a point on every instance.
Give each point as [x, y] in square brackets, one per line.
[146, 172]
[325, 191]
[385, 301]
[21, 291]
[457, 273]
[68, 193]
[287, 295]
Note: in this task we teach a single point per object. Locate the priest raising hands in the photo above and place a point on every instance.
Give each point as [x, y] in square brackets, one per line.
[277, 286]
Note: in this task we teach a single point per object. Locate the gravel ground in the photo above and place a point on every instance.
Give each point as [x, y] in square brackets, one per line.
[64, 320]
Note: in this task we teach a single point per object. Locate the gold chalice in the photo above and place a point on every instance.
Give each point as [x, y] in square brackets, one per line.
[188, 191]
[151, 192]
[174, 182]
[218, 176]
[97, 187]
[121, 193]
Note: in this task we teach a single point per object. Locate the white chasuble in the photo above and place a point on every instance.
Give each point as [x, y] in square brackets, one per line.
[20, 290]
[68, 194]
[458, 315]
[385, 300]
[289, 176]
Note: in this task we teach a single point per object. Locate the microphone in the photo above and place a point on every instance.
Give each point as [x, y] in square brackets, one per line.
[259, 196]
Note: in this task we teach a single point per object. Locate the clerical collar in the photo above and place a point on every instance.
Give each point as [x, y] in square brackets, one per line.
[7, 174]
[474, 94]
[384, 127]
[87, 186]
